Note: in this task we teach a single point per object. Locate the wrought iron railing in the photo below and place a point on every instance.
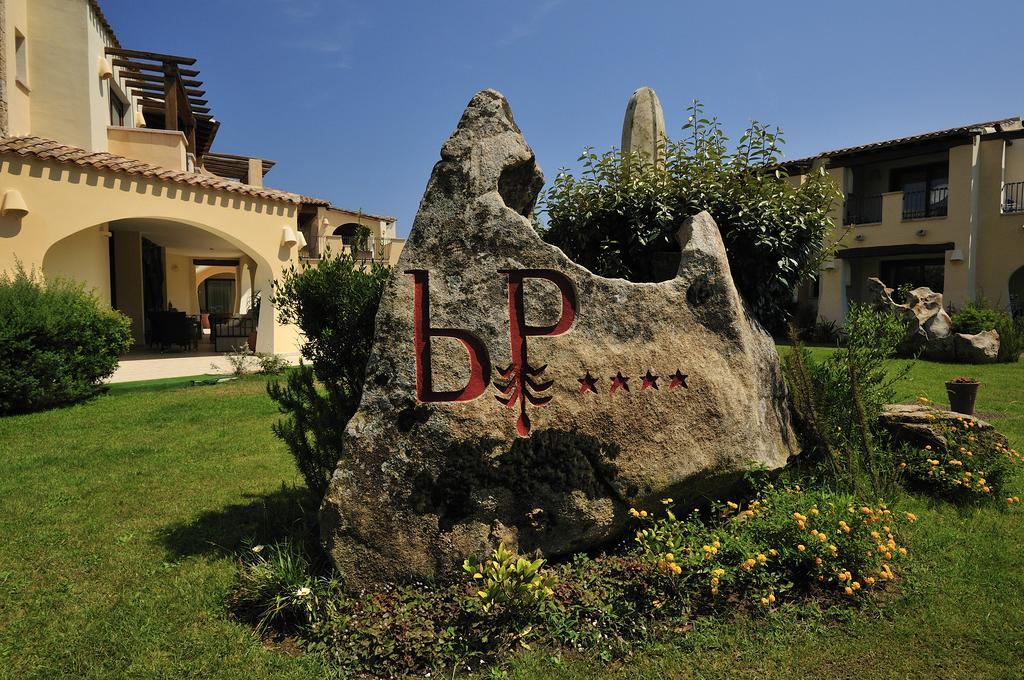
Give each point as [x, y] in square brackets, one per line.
[375, 249]
[930, 203]
[1013, 197]
[862, 209]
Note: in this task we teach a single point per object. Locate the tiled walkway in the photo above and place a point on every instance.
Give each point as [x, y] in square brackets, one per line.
[151, 365]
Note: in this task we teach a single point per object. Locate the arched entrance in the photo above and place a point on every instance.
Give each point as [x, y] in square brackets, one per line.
[165, 275]
[1017, 292]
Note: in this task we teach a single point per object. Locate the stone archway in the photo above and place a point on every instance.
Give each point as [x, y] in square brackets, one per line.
[1016, 286]
[107, 258]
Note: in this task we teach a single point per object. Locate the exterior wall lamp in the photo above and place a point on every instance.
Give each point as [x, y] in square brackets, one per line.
[300, 240]
[140, 119]
[105, 71]
[288, 238]
[13, 204]
[956, 256]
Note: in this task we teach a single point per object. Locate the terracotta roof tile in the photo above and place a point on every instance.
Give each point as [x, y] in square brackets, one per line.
[48, 149]
[937, 134]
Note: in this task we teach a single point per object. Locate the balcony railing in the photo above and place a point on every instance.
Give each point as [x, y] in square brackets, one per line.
[862, 209]
[931, 203]
[1013, 197]
[376, 248]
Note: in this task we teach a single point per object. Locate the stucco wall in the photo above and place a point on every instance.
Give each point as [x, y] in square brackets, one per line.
[85, 257]
[16, 19]
[179, 277]
[164, 148]
[64, 200]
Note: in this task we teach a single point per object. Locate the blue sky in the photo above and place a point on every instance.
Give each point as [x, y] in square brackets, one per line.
[354, 99]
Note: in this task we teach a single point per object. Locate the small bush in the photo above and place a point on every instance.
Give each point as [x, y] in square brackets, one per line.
[57, 342]
[784, 539]
[239, 359]
[508, 581]
[837, 401]
[334, 304]
[972, 467]
[271, 364]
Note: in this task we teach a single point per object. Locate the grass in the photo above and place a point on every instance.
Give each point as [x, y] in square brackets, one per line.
[120, 516]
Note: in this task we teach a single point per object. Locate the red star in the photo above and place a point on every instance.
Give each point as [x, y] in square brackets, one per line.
[588, 383]
[619, 383]
[650, 381]
[678, 379]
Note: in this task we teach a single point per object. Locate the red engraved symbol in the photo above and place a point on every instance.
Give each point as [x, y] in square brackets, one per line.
[517, 384]
[619, 382]
[677, 380]
[479, 360]
[650, 381]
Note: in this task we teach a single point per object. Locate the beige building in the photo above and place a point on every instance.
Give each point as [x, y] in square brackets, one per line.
[107, 176]
[943, 209]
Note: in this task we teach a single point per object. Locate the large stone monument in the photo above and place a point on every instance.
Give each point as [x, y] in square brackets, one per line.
[514, 396]
[643, 127]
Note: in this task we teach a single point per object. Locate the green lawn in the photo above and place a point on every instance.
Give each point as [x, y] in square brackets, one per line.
[119, 516]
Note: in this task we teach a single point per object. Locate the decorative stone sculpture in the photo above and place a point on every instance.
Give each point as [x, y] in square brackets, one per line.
[513, 396]
[643, 128]
[930, 329]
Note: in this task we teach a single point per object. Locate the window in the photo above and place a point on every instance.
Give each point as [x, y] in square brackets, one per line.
[925, 190]
[20, 58]
[118, 108]
[911, 274]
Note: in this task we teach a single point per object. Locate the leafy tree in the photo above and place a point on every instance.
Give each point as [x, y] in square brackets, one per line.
[334, 303]
[619, 218]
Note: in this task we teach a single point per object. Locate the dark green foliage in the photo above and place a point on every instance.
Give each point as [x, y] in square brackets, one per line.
[837, 401]
[57, 342]
[334, 303]
[963, 465]
[757, 557]
[620, 217]
[980, 316]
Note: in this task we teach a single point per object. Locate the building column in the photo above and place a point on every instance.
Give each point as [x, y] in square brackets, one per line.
[972, 234]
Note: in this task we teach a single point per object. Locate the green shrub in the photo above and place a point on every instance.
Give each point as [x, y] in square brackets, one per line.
[837, 401]
[619, 218]
[509, 581]
[784, 539]
[969, 466]
[57, 342]
[334, 303]
[976, 317]
[275, 589]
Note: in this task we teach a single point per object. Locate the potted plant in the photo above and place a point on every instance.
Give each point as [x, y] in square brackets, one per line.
[962, 392]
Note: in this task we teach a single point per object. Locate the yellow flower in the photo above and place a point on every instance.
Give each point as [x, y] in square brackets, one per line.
[903, 551]
[714, 581]
[718, 572]
[732, 505]
[801, 547]
[771, 597]
[643, 513]
[848, 590]
[817, 561]
[761, 558]
[670, 557]
[855, 585]
[714, 591]
[666, 501]
[814, 511]
[822, 538]
[911, 517]
[773, 552]
[634, 512]
[764, 601]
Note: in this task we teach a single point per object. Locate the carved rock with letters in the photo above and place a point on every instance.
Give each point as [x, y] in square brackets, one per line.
[514, 396]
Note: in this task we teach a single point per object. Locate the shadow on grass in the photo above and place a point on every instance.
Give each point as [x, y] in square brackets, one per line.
[288, 514]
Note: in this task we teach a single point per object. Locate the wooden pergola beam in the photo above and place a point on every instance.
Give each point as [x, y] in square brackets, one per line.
[149, 78]
[151, 56]
[154, 68]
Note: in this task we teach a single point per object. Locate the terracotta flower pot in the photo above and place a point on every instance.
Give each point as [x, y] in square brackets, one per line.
[962, 396]
[252, 341]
